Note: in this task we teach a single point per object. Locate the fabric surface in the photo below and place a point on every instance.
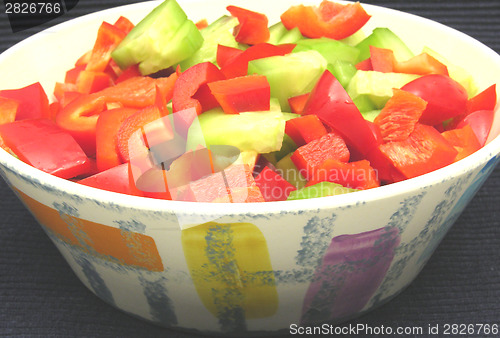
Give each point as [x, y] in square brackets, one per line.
[40, 295]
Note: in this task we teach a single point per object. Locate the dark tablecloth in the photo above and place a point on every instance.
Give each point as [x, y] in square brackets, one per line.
[40, 295]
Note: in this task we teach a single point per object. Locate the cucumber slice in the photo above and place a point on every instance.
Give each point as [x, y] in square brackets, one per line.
[162, 39]
[261, 132]
[384, 38]
[280, 35]
[343, 71]
[370, 115]
[289, 171]
[377, 86]
[219, 32]
[291, 74]
[321, 189]
[332, 50]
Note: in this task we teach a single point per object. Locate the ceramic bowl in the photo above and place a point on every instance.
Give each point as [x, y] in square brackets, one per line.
[247, 268]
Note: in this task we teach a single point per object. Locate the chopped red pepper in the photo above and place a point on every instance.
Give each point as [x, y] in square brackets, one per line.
[354, 175]
[128, 73]
[108, 37]
[116, 179]
[485, 100]
[238, 65]
[225, 54]
[310, 156]
[273, 186]
[42, 144]
[365, 65]
[464, 140]
[33, 101]
[242, 94]
[330, 20]
[107, 127]
[382, 59]
[89, 82]
[252, 28]
[190, 82]
[480, 122]
[8, 110]
[399, 116]
[124, 24]
[305, 129]
[297, 103]
[72, 74]
[423, 151]
[203, 23]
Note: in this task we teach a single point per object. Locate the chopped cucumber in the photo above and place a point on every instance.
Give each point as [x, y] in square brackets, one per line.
[370, 115]
[163, 38]
[280, 35]
[219, 32]
[321, 189]
[289, 171]
[384, 38]
[261, 132]
[290, 75]
[377, 85]
[343, 71]
[332, 50]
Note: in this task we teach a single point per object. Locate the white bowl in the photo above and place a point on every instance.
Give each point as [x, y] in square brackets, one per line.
[321, 260]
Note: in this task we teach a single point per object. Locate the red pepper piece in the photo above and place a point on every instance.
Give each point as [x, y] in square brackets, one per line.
[423, 151]
[464, 140]
[108, 38]
[203, 23]
[354, 175]
[128, 73]
[421, 64]
[124, 24]
[399, 116]
[485, 100]
[116, 179]
[330, 20]
[89, 82]
[72, 74]
[252, 28]
[238, 65]
[33, 101]
[297, 103]
[365, 65]
[8, 110]
[480, 122]
[79, 117]
[382, 59]
[190, 82]
[305, 129]
[225, 53]
[241, 94]
[273, 186]
[42, 144]
[310, 156]
[107, 127]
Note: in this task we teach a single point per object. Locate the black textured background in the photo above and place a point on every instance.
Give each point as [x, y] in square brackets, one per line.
[40, 295]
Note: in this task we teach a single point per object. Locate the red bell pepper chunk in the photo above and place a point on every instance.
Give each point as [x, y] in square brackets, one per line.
[297, 103]
[273, 186]
[72, 74]
[423, 151]
[305, 129]
[238, 65]
[310, 156]
[108, 38]
[128, 73]
[124, 24]
[330, 20]
[480, 122]
[8, 110]
[400, 115]
[225, 54]
[89, 82]
[42, 144]
[464, 140]
[107, 127]
[116, 179]
[421, 64]
[252, 28]
[33, 101]
[354, 175]
[79, 117]
[193, 80]
[485, 100]
[365, 65]
[203, 23]
[242, 94]
[382, 59]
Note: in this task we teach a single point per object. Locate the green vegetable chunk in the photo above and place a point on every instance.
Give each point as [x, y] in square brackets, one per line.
[321, 189]
[162, 39]
[384, 38]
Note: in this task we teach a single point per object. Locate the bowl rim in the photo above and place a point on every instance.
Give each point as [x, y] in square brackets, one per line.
[470, 163]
